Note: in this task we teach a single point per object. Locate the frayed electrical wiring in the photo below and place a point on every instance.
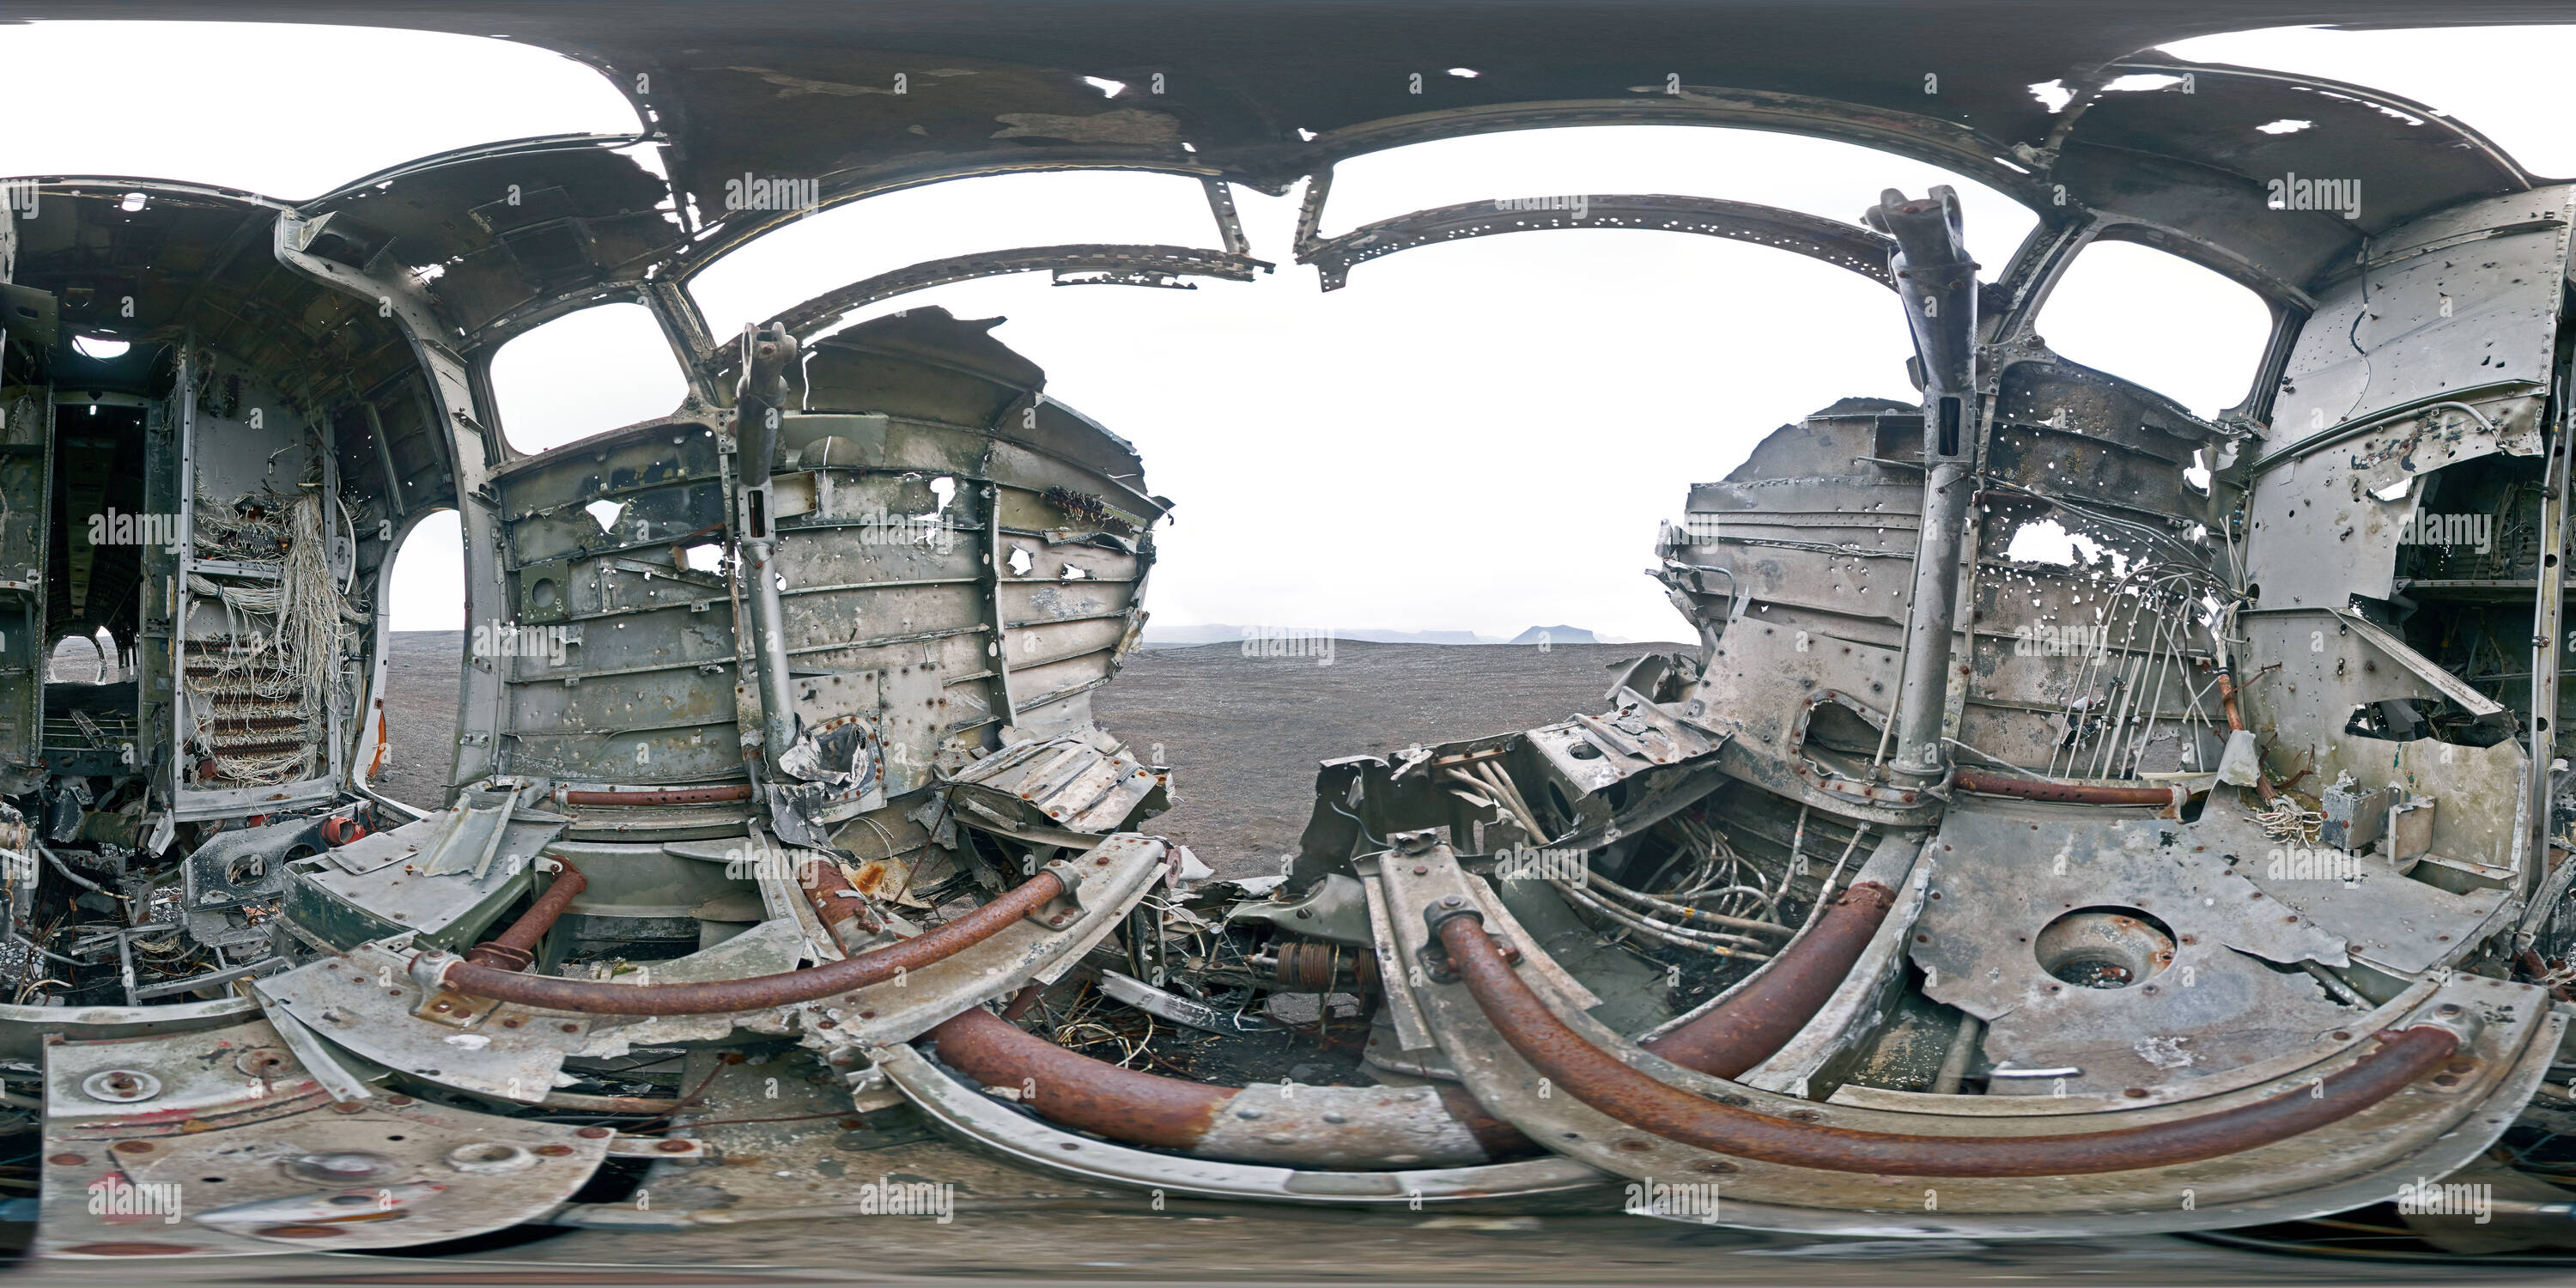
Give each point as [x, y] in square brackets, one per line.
[2287, 820]
[288, 666]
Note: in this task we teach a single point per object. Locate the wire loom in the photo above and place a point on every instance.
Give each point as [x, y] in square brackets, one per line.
[268, 682]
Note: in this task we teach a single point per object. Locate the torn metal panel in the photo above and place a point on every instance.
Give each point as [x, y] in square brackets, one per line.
[1058, 782]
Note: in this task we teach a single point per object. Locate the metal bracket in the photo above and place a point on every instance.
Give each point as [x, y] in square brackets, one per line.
[1059, 912]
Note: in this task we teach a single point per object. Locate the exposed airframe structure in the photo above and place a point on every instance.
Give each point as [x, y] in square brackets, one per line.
[1940, 892]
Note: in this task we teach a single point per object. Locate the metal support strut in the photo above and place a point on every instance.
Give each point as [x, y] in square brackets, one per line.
[759, 404]
[1938, 282]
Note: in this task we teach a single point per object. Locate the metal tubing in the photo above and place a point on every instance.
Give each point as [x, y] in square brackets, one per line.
[1135, 1108]
[516, 947]
[1658, 904]
[1760, 1018]
[1602, 1081]
[2032, 789]
[845, 916]
[2236, 724]
[1962, 1052]
[758, 993]
[769, 638]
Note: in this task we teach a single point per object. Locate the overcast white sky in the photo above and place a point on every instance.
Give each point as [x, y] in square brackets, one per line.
[1478, 436]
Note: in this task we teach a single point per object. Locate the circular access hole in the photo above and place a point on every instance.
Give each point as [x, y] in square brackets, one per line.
[2104, 947]
[118, 1086]
[490, 1157]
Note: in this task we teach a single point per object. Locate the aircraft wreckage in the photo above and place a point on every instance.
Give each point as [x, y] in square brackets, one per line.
[1878, 913]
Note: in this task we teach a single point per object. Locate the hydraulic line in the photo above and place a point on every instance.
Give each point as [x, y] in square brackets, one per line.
[1753, 1023]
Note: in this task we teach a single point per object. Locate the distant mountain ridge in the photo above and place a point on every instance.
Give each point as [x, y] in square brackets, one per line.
[1560, 635]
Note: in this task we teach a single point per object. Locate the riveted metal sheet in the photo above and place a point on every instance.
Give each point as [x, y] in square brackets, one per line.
[365, 1003]
[206, 1166]
[2003, 872]
[2388, 920]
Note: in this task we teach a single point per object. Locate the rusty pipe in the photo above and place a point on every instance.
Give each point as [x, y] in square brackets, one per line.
[1777, 1001]
[760, 992]
[659, 796]
[1319, 967]
[1137, 1108]
[1602, 1081]
[1021, 1001]
[2236, 724]
[517, 946]
[845, 916]
[2034, 789]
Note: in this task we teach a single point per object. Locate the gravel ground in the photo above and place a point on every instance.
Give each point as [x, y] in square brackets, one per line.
[1243, 734]
[421, 680]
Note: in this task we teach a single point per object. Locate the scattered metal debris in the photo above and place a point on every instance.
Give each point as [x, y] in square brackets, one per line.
[2215, 878]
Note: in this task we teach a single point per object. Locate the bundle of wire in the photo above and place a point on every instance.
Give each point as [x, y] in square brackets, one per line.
[284, 640]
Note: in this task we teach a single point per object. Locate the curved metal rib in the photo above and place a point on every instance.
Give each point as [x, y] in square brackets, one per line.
[1363, 1128]
[977, 1119]
[1131, 265]
[1846, 246]
[596, 997]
